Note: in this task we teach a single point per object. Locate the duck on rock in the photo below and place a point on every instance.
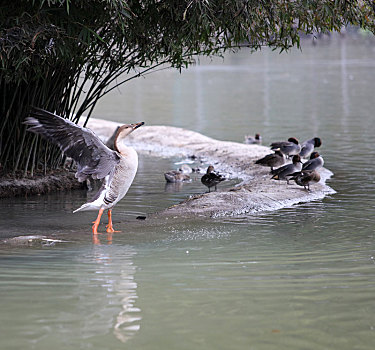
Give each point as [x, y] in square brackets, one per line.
[289, 148]
[315, 162]
[308, 147]
[305, 178]
[211, 178]
[283, 172]
[272, 160]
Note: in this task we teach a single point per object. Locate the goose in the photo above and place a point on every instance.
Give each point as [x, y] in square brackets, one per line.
[272, 160]
[289, 148]
[116, 168]
[308, 146]
[211, 179]
[282, 172]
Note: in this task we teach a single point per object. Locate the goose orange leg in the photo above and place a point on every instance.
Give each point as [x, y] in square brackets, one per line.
[96, 222]
[109, 226]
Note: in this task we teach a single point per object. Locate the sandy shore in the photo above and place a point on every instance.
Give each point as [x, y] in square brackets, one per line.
[256, 193]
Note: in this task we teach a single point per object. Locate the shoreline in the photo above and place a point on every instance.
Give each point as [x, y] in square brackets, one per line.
[54, 181]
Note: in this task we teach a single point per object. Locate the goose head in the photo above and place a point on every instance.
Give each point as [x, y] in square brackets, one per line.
[122, 132]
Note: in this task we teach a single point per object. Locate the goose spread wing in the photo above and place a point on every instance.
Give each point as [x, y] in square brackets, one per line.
[93, 158]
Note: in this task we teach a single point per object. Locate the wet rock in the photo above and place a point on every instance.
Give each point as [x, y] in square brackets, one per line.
[33, 240]
[59, 180]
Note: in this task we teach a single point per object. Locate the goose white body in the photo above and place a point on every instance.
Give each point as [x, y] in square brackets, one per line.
[115, 188]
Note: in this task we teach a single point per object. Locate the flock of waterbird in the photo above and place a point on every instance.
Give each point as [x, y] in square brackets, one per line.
[302, 173]
[116, 166]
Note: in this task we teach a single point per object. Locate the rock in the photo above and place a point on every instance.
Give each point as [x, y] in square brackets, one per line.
[31, 241]
[59, 180]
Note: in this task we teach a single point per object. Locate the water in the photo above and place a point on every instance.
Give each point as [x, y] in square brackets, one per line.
[299, 278]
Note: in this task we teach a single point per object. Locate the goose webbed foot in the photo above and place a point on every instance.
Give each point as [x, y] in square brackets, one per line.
[109, 227]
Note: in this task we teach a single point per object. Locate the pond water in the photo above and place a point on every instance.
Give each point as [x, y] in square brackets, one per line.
[299, 278]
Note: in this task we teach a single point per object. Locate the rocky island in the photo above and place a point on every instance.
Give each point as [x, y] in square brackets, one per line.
[256, 192]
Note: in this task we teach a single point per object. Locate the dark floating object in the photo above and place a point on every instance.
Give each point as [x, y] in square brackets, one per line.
[141, 217]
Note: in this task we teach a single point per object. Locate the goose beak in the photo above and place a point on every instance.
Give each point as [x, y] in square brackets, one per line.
[137, 125]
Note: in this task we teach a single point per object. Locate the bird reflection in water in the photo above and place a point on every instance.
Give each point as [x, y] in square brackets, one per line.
[114, 273]
[171, 187]
[96, 238]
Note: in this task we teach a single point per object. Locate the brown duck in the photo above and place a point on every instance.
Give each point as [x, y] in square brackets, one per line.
[305, 178]
[273, 160]
[211, 178]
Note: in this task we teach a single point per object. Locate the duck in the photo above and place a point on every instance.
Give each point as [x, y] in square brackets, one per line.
[283, 172]
[176, 176]
[211, 178]
[315, 162]
[253, 140]
[115, 168]
[289, 148]
[272, 160]
[305, 177]
[308, 146]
